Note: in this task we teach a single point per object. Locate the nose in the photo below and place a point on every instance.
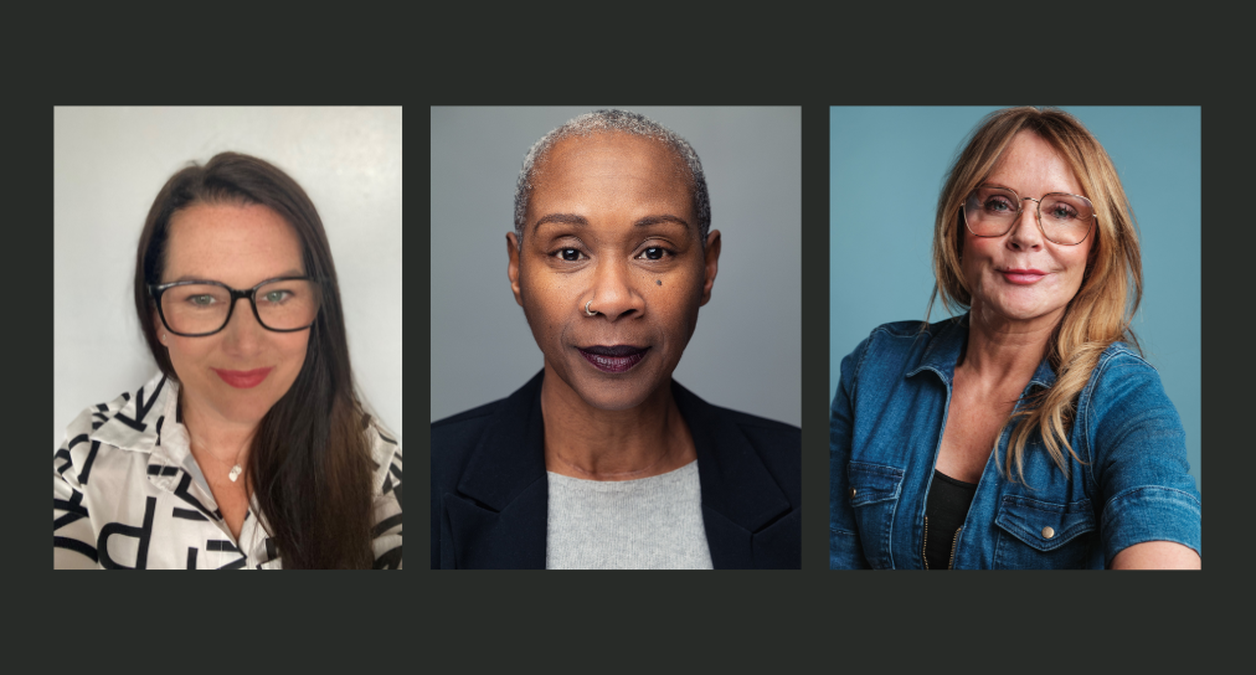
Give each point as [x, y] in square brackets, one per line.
[1027, 230]
[613, 293]
[243, 334]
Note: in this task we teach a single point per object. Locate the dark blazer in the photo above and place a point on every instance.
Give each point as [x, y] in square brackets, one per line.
[490, 495]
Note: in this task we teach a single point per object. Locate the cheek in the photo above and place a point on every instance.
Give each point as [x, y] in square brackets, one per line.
[293, 347]
[972, 256]
[678, 299]
[186, 353]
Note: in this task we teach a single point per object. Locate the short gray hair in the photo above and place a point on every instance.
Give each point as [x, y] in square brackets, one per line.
[611, 121]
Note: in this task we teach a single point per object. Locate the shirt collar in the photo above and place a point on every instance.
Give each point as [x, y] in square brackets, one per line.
[946, 344]
[147, 414]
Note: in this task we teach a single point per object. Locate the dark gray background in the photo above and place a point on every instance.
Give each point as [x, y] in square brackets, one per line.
[746, 351]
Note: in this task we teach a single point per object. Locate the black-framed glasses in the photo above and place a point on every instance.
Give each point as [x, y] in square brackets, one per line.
[1063, 218]
[200, 308]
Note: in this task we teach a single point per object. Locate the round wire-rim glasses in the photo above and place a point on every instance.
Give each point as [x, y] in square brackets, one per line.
[1081, 209]
[158, 290]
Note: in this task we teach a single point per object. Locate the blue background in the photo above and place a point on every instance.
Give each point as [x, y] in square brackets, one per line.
[887, 167]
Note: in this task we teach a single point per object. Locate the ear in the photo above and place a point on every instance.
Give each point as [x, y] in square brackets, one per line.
[712, 265]
[512, 268]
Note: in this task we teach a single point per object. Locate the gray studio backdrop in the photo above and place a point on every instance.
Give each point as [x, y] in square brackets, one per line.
[746, 351]
[887, 166]
[109, 164]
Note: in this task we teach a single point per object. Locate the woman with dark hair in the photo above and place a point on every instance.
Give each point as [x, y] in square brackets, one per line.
[250, 447]
[1028, 432]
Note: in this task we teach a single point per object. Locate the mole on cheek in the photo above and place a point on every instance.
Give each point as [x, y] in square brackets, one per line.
[658, 281]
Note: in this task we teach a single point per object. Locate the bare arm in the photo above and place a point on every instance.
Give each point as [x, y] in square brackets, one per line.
[1157, 555]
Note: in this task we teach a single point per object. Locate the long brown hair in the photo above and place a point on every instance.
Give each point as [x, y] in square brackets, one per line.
[309, 464]
[1111, 289]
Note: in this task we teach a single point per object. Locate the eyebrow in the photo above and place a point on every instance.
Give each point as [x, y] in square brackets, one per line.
[193, 277]
[581, 221]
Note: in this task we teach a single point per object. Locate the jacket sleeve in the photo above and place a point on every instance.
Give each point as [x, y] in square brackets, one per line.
[387, 516]
[73, 539]
[1138, 446]
[845, 551]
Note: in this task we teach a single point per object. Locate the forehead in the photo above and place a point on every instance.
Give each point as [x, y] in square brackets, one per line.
[611, 169]
[239, 245]
[1032, 166]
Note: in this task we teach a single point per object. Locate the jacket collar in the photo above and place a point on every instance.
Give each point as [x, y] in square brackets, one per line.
[499, 515]
[947, 341]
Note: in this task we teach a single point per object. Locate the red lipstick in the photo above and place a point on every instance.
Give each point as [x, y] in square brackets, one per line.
[616, 359]
[243, 379]
[1023, 276]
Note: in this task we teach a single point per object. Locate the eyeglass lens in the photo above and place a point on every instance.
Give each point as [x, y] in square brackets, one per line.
[1065, 218]
[205, 308]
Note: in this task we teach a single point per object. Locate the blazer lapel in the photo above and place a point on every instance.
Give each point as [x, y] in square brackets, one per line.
[745, 513]
[497, 518]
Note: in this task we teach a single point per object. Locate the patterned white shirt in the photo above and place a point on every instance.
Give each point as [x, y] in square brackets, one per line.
[127, 493]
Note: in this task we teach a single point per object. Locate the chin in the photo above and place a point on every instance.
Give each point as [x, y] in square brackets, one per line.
[613, 395]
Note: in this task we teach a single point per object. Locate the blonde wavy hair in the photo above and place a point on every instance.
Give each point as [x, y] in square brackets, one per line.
[1112, 285]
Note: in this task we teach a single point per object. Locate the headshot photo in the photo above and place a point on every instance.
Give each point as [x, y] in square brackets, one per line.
[577, 254]
[227, 309]
[1015, 338]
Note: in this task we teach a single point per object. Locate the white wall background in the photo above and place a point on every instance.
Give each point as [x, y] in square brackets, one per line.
[109, 164]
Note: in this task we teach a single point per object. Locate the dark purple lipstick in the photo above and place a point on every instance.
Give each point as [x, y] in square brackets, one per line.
[617, 359]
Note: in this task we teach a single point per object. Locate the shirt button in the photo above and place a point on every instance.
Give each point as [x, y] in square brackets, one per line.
[1048, 532]
[853, 491]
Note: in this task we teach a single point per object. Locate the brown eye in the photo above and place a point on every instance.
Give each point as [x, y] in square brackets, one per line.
[654, 253]
[568, 254]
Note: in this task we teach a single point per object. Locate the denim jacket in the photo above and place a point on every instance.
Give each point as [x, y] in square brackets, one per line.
[885, 429]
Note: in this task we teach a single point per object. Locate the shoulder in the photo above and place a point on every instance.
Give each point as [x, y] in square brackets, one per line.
[905, 337]
[1122, 372]
[128, 411]
[385, 454]
[778, 445]
[468, 419]
[1121, 356]
[762, 431]
[903, 344]
[456, 435]
[1123, 390]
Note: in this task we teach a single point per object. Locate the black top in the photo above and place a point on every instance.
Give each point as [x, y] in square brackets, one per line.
[490, 495]
[945, 512]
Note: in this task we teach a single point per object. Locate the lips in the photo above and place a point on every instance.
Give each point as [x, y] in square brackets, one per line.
[1023, 276]
[243, 379]
[614, 359]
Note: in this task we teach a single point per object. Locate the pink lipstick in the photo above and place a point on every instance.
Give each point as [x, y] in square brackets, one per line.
[617, 359]
[1020, 276]
[243, 379]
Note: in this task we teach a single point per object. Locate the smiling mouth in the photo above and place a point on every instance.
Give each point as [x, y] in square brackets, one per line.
[243, 379]
[617, 359]
[1019, 276]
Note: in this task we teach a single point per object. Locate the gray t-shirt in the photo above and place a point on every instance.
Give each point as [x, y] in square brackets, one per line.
[648, 523]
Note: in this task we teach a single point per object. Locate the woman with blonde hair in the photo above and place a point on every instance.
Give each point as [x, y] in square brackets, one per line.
[1027, 432]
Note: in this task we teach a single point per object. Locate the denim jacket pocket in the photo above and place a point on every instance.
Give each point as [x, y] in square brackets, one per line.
[874, 492]
[1035, 534]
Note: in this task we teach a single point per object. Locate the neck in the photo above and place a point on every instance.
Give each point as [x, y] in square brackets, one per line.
[224, 441]
[586, 442]
[1004, 351]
